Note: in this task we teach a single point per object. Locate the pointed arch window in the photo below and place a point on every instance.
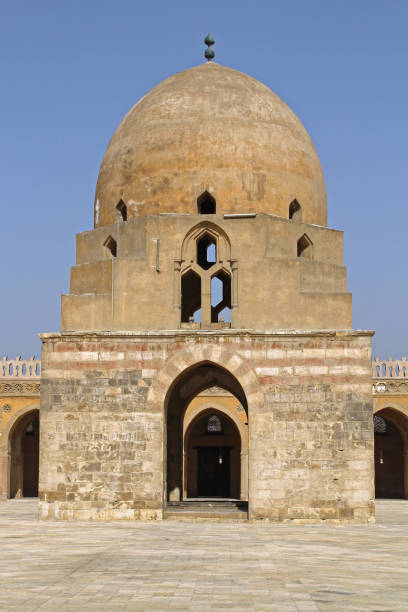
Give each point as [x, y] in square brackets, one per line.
[122, 210]
[206, 204]
[111, 245]
[206, 251]
[305, 247]
[221, 298]
[295, 211]
[214, 425]
[190, 297]
[206, 277]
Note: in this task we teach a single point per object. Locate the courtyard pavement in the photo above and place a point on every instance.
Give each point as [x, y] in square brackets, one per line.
[203, 566]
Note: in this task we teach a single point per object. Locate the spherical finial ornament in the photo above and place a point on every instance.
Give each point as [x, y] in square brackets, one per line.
[209, 53]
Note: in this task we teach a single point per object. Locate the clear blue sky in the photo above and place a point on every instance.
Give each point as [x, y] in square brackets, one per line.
[70, 70]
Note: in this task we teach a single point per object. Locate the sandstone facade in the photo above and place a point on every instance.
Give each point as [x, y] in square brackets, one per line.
[271, 286]
[104, 398]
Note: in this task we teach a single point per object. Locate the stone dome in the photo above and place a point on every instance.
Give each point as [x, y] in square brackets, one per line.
[214, 129]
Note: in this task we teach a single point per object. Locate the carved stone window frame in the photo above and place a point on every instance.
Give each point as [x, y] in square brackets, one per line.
[224, 263]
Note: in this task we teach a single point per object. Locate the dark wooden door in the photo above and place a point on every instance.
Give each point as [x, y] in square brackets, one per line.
[389, 463]
[30, 450]
[213, 472]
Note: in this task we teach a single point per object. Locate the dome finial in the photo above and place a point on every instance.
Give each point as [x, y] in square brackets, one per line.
[209, 53]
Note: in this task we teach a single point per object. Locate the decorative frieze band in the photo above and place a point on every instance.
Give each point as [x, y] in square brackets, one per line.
[389, 386]
[20, 388]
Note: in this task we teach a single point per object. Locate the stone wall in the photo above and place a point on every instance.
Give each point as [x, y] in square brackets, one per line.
[310, 421]
[258, 253]
[312, 439]
[100, 449]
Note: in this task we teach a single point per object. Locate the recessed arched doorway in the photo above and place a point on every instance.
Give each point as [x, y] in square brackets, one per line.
[390, 454]
[205, 458]
[212, 457]
[24, 456]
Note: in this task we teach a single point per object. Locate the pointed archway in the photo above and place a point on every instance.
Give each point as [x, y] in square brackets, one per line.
[188, 385]
[391, 454]
[23, 453]
[215, 434]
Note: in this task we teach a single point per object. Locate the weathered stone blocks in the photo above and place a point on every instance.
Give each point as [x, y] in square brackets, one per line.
[103, 422]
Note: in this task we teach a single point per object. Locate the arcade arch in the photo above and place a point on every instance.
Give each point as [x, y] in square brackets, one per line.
[391, 452]
[21, 453]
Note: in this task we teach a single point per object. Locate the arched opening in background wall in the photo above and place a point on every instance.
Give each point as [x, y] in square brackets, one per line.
[390, 454]
[195, 452]
[24, 456]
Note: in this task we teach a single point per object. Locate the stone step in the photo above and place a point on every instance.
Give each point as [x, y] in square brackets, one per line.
[230, 510]
[214, 515]
[209, 503]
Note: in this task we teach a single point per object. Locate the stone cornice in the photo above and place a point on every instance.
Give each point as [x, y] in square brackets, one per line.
[205, 333]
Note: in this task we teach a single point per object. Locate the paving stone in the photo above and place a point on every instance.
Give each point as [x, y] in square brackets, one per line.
[172, 565]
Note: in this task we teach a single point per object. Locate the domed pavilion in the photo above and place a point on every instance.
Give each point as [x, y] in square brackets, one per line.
[210, 127]
[207, 357]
